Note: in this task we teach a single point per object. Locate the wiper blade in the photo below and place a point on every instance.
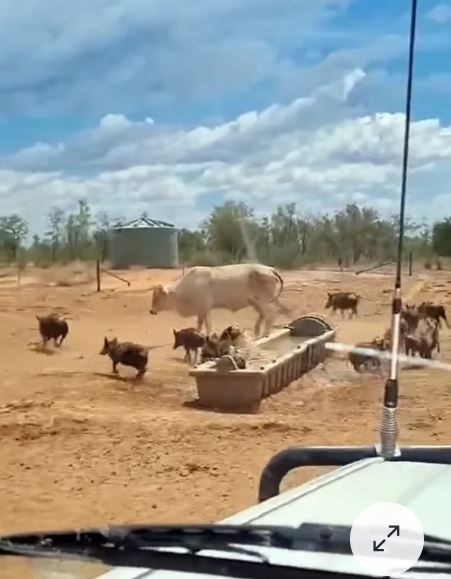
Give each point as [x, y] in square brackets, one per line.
[337, 539]
[137, 546]
[192, 537]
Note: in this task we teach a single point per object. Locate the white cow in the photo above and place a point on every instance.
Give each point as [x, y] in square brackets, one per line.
[232, 287]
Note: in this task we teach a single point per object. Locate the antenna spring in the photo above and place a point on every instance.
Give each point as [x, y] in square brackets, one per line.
[389, 433]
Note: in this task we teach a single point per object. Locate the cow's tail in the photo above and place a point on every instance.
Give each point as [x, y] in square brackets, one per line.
[282, 308]
[279, 277]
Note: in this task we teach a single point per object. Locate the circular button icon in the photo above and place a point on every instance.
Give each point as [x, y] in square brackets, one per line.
[387, 538]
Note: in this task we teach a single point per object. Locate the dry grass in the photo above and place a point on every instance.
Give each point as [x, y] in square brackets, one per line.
[72, 274]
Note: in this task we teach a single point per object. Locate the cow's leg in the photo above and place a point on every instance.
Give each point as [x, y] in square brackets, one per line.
[200, 322]
[268, 316]
[207, 320]
[196, 356]
[257, 307]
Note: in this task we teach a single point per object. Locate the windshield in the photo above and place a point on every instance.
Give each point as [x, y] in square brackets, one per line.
[141, 139]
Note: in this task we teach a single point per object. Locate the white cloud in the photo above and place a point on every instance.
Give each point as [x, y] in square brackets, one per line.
[114, 122]
[315, 151]
[440, 14]
[64, 57]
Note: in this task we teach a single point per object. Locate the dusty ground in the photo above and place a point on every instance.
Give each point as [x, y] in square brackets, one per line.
[80, 447]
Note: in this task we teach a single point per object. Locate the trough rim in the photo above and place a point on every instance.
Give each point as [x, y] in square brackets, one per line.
[208, 368]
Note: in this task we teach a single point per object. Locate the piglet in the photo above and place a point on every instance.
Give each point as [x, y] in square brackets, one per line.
[191, 339]
[127, 354]
[52, 327]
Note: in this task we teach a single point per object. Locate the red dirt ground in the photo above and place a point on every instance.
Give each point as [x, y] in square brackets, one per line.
[81, 447]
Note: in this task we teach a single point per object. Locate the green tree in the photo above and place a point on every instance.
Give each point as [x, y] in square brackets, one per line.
[191, 244]
[101, 235]
[13, 231]
[441, 237]
[231, 230]
[55, 233]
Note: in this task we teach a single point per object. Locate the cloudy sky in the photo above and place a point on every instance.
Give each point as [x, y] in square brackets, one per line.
[174, 106]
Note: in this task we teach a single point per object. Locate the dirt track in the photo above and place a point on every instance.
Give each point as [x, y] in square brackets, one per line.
[80, 447]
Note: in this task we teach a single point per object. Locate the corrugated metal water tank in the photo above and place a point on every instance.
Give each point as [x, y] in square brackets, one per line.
[144, 242]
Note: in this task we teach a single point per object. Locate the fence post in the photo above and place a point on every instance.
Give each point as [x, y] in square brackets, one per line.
[98, 274]
[410, 264]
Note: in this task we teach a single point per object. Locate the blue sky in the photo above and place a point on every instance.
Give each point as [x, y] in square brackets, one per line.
[174, 106]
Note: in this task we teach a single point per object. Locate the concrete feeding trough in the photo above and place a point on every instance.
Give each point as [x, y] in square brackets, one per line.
[283, 357]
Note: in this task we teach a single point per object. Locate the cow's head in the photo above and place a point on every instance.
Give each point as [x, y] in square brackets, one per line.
[159, 299]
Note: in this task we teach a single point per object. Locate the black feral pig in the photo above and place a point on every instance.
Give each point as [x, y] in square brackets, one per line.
[343, 301]
[363, 360]
[191, 339]
[127, 354]
[436, 312]
[52, 327]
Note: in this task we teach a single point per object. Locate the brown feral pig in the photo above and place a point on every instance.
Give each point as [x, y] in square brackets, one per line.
[127, 354]
[216, 347]
[231, 333]
[364, 361]
[425, 340]
[411, 316]
[52, 327]
[234, 336]
[436, 312]
[415, 345]
[191, 339]
[403, 329]
[210, 349]
[343, 301]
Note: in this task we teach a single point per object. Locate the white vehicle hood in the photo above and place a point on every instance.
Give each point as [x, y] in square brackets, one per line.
[336, 499]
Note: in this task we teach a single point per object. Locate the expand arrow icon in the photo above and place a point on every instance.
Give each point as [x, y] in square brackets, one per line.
[394, 530]
[377, 547]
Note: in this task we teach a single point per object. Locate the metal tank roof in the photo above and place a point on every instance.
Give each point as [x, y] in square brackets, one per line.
[144, 223]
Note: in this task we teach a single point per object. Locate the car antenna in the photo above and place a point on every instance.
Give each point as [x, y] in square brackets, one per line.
[389, 422]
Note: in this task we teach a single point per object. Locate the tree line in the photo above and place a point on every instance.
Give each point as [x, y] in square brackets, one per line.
[232, 233]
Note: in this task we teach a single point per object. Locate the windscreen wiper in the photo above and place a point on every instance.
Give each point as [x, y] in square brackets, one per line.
[138, 546]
